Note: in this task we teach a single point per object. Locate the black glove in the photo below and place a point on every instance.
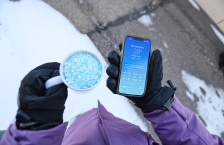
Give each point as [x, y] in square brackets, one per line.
[40, 108]
[156, 96]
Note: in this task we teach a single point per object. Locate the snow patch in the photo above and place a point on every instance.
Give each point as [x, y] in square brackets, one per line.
[194, 4]
[153, 15]
[210, 105]
[145, 20]
[152, 29]
[165, 45]
[33, 33]
[219, 34]
[154, 2]
[142, 12]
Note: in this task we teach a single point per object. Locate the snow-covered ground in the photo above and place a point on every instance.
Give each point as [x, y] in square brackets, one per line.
[146, 20]
[210, 102]
[33, 33]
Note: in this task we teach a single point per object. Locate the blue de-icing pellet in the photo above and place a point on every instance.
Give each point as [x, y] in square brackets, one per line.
[82, 70]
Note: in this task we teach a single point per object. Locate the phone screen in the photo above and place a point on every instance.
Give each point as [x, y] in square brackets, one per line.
[134, 66]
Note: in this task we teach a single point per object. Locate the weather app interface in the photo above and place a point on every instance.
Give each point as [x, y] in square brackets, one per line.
[134, 66]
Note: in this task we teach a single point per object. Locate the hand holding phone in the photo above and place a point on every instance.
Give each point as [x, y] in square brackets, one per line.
[132, 79]
[155, 95]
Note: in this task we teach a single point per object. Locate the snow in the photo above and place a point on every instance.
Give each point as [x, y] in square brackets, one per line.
[194, 4]
[165, 45]
[142, 12]
[219, 34]
[152, 29]
[210, 102]
[153, 15]
[33, 33]
[190, 95]
[154, 2]
[145, 20]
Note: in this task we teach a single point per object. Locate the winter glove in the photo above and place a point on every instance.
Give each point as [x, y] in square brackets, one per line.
[156, 96]
[40, 108]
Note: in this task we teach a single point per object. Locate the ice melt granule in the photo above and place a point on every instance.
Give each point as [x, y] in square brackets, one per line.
[82, 71]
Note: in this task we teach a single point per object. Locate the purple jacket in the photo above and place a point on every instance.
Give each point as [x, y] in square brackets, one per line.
[179, 126]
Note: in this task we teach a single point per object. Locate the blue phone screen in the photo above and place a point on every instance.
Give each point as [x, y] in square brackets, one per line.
[134, 66]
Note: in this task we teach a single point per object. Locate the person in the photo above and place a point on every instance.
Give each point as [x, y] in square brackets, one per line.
[39, 116]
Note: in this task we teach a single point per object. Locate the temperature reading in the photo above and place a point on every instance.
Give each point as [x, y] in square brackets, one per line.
[137, 51]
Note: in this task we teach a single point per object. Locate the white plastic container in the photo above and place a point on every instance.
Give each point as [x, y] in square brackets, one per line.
[60, 79]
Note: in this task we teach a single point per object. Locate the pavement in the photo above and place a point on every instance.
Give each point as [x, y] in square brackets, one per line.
[181, 32]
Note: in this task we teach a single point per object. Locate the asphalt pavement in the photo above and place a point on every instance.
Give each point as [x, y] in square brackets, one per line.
[181, 32]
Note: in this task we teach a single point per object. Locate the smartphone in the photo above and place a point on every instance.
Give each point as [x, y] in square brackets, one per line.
[135, 59]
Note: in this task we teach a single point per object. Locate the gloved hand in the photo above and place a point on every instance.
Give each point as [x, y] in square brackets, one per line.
[156, 96]
[40, 108]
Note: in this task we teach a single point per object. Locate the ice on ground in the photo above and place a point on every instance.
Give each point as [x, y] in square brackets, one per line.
[194, 4]
[219, 34]
[33, 33]
[145, 20]
[210, 104]
[153, 15]
[165, 45]
[142, 12]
